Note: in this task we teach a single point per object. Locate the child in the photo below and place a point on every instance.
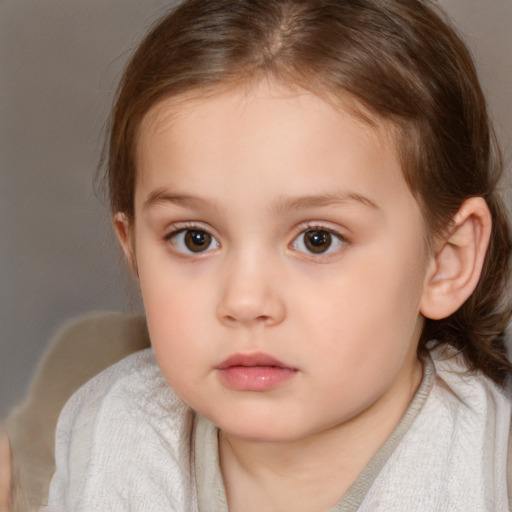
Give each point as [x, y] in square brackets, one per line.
[306, 192]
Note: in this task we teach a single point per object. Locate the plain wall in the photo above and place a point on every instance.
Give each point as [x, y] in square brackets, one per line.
[59, 64]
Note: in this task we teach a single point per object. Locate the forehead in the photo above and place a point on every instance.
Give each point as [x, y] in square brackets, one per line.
[264, 94]
[265, 131]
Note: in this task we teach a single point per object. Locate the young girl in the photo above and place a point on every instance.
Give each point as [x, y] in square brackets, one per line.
[306, 192]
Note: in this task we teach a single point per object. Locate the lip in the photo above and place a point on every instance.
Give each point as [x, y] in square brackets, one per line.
[254, 372]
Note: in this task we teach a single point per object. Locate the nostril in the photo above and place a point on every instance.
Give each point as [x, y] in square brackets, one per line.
[249, 305]
[256, 319]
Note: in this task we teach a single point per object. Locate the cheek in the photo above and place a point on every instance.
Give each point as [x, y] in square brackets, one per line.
[171, 290]
[179, 340]
[177, 312]
[172, 313]
[368, 314]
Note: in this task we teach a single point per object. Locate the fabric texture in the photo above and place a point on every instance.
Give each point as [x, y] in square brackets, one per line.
[126, 442]
[82, 348]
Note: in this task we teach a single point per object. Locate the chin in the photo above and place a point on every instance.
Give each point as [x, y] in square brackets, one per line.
[257, 437]
[261, 432]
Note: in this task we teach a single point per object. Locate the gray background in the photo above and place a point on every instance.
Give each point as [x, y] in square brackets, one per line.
[59, 64]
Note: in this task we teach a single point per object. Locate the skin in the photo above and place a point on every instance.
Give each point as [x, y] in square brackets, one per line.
[257, 168]
[5, 471]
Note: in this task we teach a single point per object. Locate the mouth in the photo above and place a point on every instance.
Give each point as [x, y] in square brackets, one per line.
[254, 372]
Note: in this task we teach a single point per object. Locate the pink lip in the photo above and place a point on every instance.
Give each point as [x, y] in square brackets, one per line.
[254, 372]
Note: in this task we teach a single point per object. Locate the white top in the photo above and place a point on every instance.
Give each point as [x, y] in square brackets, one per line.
[126, 442]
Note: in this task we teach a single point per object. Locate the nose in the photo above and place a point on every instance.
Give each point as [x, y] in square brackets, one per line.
[250, 295]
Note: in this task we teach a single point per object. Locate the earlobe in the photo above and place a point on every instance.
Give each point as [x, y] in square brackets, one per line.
[124, 231]
[458, 261]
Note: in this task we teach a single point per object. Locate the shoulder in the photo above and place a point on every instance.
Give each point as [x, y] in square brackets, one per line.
[482, 412]
[462, 430]
[136, 378]
[471, 388]
[126, 414]
[81, 349]
[471, 397]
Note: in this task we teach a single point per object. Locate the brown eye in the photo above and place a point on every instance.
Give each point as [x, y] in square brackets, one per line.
[317, 241]
[193, 241]
[197, 241]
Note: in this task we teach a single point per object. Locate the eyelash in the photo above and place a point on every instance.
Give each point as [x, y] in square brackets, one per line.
[184, 229]
[312, 227]
[300, 231]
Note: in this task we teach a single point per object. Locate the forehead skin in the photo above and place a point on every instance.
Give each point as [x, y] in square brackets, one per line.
[196, 109]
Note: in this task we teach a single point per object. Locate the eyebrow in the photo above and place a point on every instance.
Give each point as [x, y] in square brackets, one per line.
[321, 200]
[163, 196]
[279, 207]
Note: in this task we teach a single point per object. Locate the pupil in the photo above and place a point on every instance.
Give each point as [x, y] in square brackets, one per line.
[197, 241]
[318, 241]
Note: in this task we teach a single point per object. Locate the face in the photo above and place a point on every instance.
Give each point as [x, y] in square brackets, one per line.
[281, 260]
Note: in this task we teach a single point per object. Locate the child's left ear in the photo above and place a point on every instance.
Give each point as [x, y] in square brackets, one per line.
[458, 260]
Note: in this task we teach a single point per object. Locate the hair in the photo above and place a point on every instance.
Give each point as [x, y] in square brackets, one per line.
[401, 62]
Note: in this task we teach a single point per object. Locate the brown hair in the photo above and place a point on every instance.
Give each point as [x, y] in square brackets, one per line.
[399, 60]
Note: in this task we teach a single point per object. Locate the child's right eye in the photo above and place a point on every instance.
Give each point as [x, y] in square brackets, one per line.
[192, 241]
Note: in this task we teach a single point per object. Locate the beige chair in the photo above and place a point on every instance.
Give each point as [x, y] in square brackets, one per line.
[81, 349]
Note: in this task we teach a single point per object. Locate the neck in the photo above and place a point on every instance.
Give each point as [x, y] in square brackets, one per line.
[313, 472]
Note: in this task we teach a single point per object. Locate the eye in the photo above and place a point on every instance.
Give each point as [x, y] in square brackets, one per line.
[193, 241]
[318, 241]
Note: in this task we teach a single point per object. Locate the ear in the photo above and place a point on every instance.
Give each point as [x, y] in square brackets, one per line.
[124, 231]
[457, 261]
